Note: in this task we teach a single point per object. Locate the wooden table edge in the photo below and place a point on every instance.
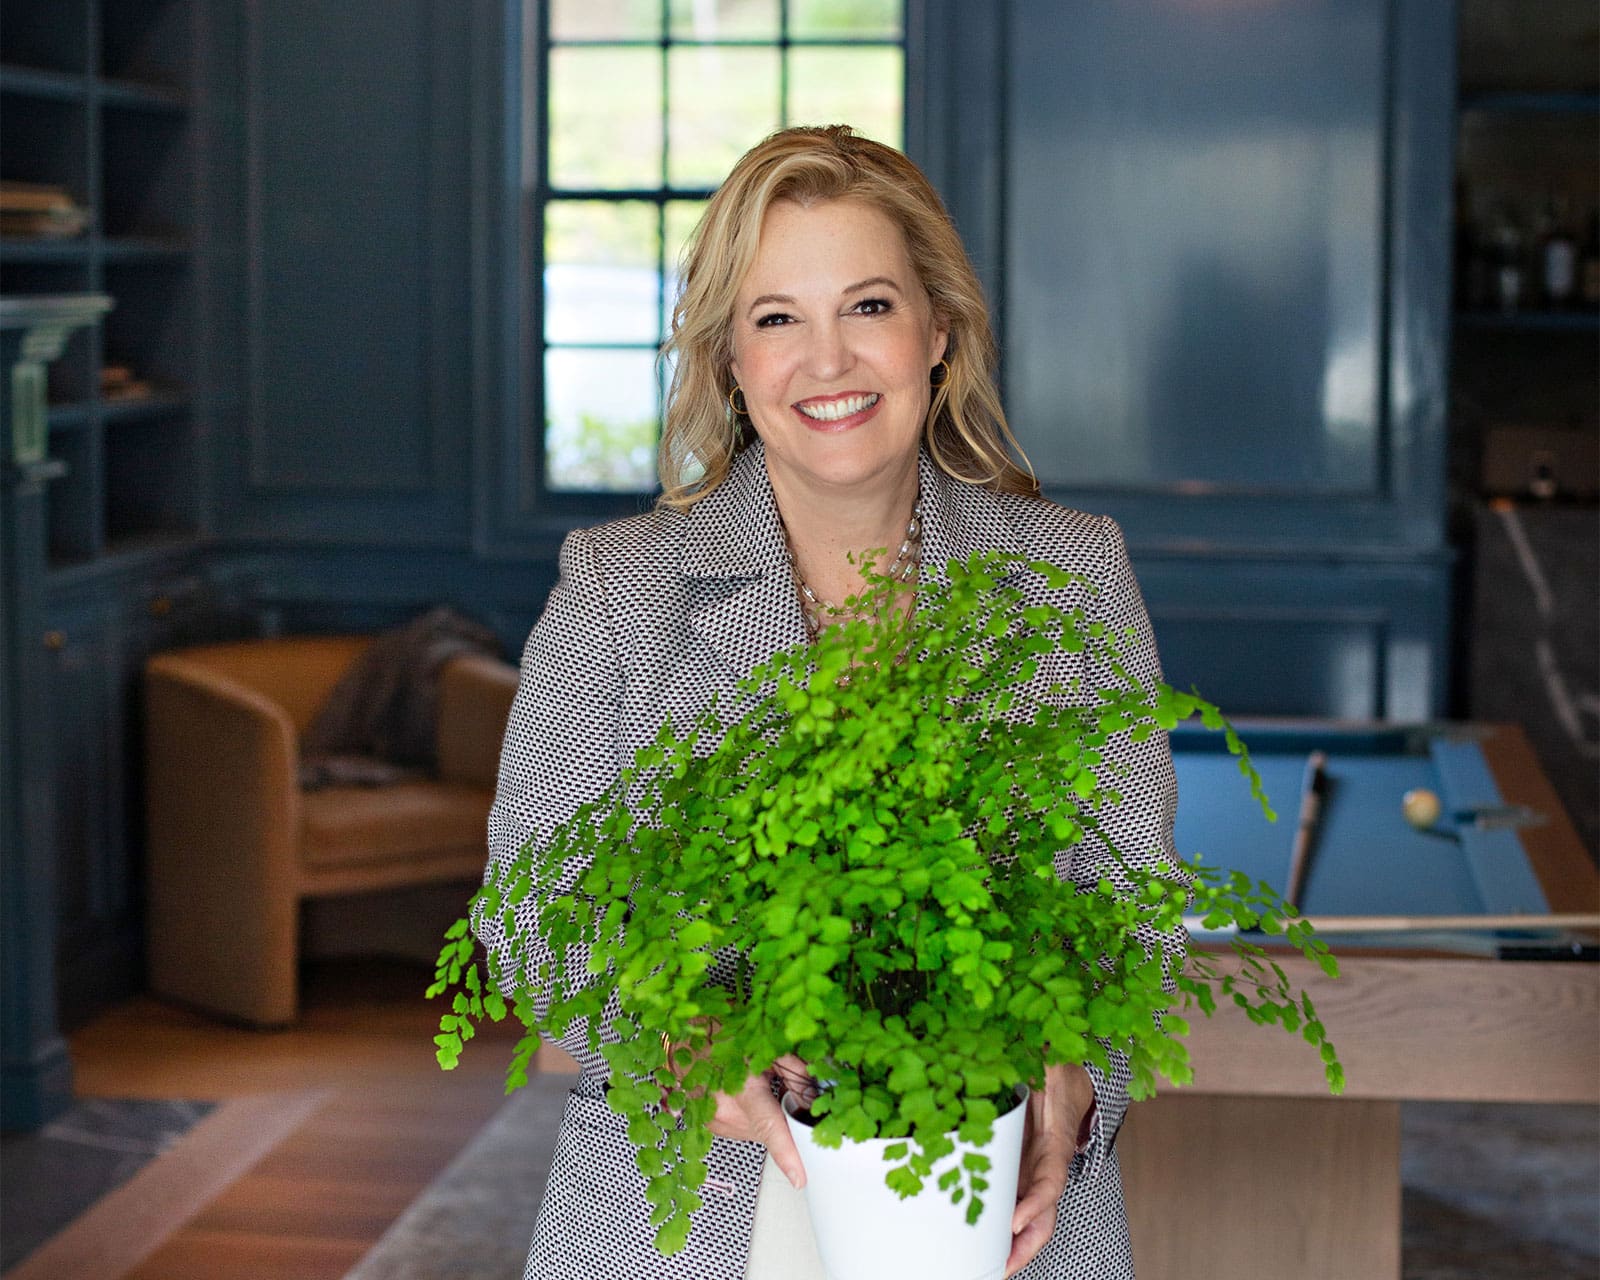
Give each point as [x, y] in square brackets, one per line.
[1559, 859]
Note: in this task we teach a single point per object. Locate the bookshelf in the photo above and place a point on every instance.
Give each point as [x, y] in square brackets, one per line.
[95, 104]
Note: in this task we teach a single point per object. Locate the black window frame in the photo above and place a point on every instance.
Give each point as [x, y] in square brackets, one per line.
[531, 507]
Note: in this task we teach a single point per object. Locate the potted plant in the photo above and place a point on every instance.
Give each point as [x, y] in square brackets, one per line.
[859, 863]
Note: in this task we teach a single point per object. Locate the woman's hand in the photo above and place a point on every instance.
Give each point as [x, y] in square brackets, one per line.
[1049, 1142]
[753, 1115]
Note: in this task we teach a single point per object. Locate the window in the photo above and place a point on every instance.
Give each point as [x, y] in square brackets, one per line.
[647, 105]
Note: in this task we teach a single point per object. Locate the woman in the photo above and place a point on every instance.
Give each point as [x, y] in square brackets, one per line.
[833, 393]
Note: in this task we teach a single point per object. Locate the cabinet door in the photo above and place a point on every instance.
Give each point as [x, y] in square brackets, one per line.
[97, 928]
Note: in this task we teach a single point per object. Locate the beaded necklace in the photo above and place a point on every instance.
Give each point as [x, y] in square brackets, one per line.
[903, 568]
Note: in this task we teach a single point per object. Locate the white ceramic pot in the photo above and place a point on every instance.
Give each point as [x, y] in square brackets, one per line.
[865, 1231]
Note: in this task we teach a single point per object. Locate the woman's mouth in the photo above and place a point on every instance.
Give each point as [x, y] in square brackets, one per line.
[839, 411]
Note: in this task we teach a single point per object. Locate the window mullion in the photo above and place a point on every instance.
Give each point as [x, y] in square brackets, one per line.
[783, 64]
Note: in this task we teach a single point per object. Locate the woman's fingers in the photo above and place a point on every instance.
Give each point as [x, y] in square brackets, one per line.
[1046, 1159]
[769, 1127]
[1034, 1221]
[753, 1115]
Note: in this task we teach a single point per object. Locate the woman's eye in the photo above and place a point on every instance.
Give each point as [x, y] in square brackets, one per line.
[771, 320]
[874, 306]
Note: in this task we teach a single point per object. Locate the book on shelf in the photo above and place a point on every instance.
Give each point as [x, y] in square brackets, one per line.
[117, 382]
[40, 211]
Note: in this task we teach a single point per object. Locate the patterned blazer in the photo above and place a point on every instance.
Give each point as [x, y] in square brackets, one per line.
[651, 616]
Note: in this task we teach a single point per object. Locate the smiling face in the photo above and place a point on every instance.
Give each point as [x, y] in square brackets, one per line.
[833, 339]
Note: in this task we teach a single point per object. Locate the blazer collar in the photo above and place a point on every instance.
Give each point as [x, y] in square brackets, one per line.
[735, 531]
[742, 599]
[733, 546]
[959, 520]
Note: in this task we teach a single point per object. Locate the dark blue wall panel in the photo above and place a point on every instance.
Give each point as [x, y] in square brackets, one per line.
[1348, 640]
[339, 280]
[1216, 241]
[344, 411]
[1194, 273]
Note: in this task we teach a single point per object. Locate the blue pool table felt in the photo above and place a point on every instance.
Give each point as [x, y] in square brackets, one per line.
[1366, 859]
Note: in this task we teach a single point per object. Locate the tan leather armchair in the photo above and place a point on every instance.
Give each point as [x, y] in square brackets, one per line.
[235, 845]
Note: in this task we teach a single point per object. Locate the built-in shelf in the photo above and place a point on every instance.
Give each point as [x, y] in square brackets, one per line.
[96, 101]
[39, 82]
[134, 408]
[1521, 103]
[1532, 321]
[1522, 380]
[24, 249]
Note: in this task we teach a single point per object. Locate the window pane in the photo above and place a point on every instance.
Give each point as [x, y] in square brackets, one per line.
[865, 19]
[605, 118]
[724, 101]
[600, 420]
[724, 19]
[681, 219]
[600, 282]
[605, 19]
[863, 88]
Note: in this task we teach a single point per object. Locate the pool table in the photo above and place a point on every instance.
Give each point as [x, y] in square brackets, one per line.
[1255, 1148]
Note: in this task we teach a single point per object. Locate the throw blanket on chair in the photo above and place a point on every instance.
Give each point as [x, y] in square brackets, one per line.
[380, 722]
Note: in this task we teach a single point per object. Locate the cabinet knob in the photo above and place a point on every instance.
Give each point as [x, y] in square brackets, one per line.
[160, 606]
[54, 640]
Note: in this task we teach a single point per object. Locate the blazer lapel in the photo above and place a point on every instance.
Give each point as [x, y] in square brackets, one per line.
[742, 600]
[959, 520]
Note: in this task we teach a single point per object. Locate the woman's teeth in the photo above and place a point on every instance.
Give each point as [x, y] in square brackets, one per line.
[833, 410]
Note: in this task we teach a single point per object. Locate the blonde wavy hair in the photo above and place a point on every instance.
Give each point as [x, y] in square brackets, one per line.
[966, 433]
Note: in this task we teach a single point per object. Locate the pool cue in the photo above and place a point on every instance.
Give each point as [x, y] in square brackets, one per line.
[1455, 924]
[1430, 924]
[1313, 790]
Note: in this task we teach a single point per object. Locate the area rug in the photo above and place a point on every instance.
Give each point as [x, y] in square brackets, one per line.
[127, 1223]
[50, 1177]
[1500, 1192]
[475, 1220]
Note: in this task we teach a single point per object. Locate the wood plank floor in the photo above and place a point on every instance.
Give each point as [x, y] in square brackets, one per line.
[386, 1123]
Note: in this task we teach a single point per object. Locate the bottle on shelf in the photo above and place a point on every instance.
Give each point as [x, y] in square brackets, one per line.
[1589, 264]
[1482, 258]
[1470, 266]
[1558, 257]
[1508, 264]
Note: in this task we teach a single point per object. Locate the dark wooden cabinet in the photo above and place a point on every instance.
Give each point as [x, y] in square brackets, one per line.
[98, 116]
[96, 644]
[96, 943]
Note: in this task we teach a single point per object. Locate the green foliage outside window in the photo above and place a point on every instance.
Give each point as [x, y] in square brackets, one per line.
[649, 104]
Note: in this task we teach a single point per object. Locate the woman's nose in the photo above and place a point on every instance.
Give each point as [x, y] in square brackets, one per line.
[828, 354]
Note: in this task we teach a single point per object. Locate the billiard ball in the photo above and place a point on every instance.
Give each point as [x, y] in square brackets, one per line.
[1421, 808]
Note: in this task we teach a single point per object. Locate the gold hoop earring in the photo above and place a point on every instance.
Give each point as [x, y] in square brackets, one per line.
[740, 407]
[939, 374]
